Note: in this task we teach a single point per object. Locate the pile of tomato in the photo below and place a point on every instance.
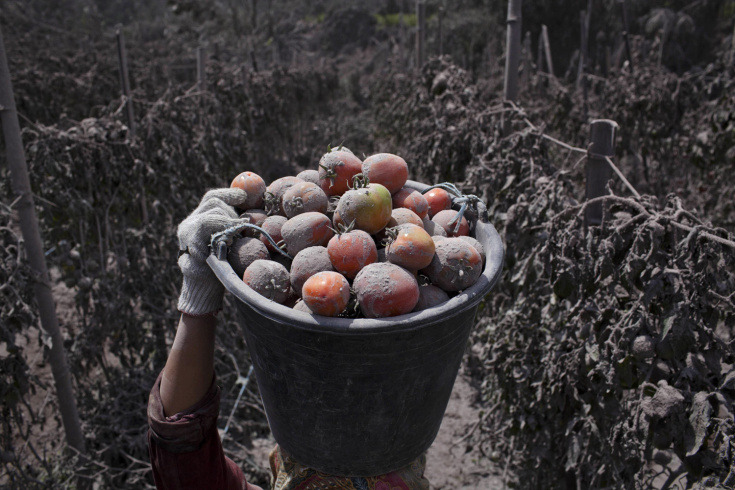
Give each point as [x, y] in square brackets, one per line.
[357, 241]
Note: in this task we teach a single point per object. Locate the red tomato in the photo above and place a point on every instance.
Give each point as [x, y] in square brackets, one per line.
[438, 200]
[412, 248]
[369, 207]
[385, 289]
[386, 169]
[326, 293]
[411, 199]
[254, 185]
[445, 220]
[349, 252]
[336, 170]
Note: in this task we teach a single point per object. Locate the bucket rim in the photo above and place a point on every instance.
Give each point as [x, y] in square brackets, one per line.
[485, 233]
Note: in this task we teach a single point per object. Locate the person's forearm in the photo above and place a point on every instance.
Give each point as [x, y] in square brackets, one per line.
[189, 369]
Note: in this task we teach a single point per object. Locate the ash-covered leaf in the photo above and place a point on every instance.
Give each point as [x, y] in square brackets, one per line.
[729, 382]
[699, 420]
[668, 323]
[667, 401]
[593, 351]
[573, 452]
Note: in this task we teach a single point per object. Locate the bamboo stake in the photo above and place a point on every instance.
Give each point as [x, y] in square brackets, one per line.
[598, 171]
[582, 71]
[527, 59]
[253, 60]
[587, 26]
[540, 53]
[582, 48]
[201, 78]
[547, 50]
[626, 39]
[512, 50]
[15, 155]
[441, 31]
[601, 54]
[420, 33]
[665, 35]
[512, 58]
[402, 33]
[122, 58]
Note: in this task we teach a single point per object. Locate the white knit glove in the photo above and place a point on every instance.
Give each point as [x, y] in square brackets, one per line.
[201, 291]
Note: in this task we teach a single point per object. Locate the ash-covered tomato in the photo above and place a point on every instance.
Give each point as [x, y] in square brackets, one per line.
[411, 199]
[410, 247]
[306, 230]
[269, 279]
[308, 262]
[456, 265]
[385, 289]
[272, 225]
[447, 220]
[386, 169]
[304, 197]
[349, 252]
[430, 296]
[369, 207]
[438, 200]
[336, 170]
[274, 194]
[326, 293]
[254, 185]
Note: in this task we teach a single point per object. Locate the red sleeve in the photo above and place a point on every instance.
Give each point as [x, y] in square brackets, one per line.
[185, 449]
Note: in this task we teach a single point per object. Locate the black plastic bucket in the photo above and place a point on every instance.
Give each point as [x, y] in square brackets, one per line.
[358, 397]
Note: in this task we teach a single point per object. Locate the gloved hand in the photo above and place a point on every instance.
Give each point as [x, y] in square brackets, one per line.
[201, 291]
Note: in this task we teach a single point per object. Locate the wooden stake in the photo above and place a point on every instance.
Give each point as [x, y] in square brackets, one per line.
[512, 50]
[582, 69]
[20, 181]
[598, 172]
[582, 47]
[626, 39]
[601, 54]
[441, 31]
[732, 46]
[122, 58]
[402, 35]
[665, 35]
[254, 15]
[201, 77]
[420, 33]
[527, 60]
[547, 50]
[587, 22]
[253, 61]
[540, 53]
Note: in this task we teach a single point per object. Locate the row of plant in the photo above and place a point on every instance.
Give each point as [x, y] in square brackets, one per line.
[604, 353]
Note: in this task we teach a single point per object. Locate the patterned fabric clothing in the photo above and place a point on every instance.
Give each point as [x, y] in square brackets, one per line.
[288, 474]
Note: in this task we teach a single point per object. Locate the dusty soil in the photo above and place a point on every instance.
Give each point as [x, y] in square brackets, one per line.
[451, 463]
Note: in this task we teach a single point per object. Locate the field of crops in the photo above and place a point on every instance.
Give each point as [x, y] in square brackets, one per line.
[604, 356]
